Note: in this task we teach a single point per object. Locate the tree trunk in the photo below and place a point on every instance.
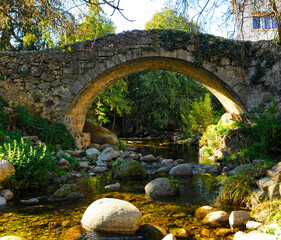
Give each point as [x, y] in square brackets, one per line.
[114, 120]
[277, 16]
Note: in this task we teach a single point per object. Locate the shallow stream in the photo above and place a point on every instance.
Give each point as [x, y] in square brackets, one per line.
[61, 220]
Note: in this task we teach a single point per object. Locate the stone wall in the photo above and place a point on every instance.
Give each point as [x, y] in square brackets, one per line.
[61, 84]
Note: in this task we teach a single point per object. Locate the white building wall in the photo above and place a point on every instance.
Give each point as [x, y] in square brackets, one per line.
[245, 10]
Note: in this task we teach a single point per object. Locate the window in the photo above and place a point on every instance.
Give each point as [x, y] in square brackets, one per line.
[274, 22]
[264, 22]
[256, 23]
[267, 22]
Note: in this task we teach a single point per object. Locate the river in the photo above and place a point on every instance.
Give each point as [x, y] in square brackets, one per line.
[61, 220]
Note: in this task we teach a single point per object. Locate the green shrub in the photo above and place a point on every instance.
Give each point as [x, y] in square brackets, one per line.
[121, 145]
[214, 133]
[56, 134]
[31, 163]
[236, 189]
[263, 131]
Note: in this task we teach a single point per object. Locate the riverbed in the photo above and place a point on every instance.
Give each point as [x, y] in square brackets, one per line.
[61, 220]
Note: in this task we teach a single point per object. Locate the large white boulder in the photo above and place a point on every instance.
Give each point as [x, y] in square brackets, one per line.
[254, 235]
[112, 215]
[216, 219]
[6, 170]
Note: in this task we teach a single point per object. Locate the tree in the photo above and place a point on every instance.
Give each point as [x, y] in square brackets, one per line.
[169, 18]
[223, 13]
[112, 102]
[36, 24]
[160, 97]
[200, 116]
[96, 24]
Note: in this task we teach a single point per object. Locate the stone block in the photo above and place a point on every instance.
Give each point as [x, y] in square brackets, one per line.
[264, 183]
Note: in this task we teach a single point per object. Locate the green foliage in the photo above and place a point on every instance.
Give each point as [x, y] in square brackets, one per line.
[117, 163]
[237, 188]
[96, 24]
[121, 145]
[56, 134]
[111, 103]
[175, 181]
[31, 163]
[170, 18]
[200, 115]
[208, 48]
[214, 133]
[263, 131]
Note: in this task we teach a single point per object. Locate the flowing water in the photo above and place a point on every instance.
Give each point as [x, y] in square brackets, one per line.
[61, 220]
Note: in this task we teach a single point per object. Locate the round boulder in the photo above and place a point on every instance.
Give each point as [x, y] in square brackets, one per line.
[6, 170]
[161, 187]
[216, 219]
[112, 215]
[201, 212]
[181, 170]
[130, 169]
[238, 219]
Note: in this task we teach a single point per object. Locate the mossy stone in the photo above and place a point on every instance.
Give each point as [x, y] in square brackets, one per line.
[130, 169]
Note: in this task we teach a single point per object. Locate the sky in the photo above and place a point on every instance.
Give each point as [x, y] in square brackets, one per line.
[141, 11]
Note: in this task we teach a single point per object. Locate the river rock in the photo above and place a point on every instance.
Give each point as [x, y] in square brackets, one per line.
[179, 232]
[169, 237]
[66, 191]
[130, 169]
[201, 212]
[30, 201]
[112, 215]
[273, 191]
[99, 169]
[134, 156]
[162, 170]
[148, 158]
[254, 235]
[7, 194]
[161, 187]
[63, 162]
[92, 152]
[264, 183]
[223, 232]
[237, 219]
[240, 168]
[7, 170]
[83, 164]
[178, 161]
[152, 232]
[3, 201]
[216, 219]
[252, 225]
[125, 154]
[108, 155]
[10, 238]
[99, 134]
[275, 172]
[167, 163]
[215, 168]
[181, 170]
[106, 145]
[113, 187]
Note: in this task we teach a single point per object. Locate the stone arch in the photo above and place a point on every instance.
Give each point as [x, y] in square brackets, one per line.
[97, 79]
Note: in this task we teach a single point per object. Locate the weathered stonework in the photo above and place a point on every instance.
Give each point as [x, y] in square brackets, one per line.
[62, 83]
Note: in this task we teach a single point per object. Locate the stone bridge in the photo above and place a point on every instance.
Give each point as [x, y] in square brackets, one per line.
[61, 83]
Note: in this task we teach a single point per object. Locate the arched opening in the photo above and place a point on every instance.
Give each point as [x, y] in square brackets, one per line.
[75, 115]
